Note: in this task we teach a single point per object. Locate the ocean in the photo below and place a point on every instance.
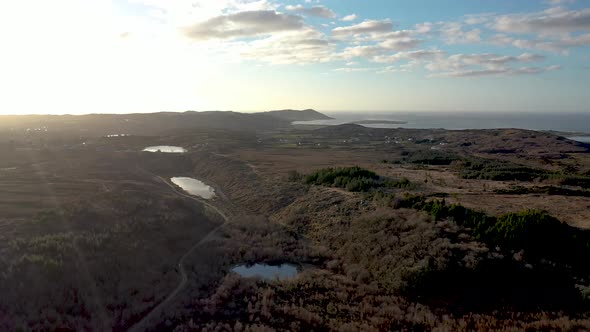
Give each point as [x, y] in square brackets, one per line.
[578, 123]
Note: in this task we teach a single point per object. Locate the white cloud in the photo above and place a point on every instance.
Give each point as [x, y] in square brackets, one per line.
[400, 44]
[354, 69]
[562, 45]
[349, 18]
[296, 47]
[243, 24]
[423, 28]
[454, 33]
[318, 11]
[364, 51]
[418, 55]
[369, 26]
[486, 64]
[497, 72]
[132, 56]
[551, 22]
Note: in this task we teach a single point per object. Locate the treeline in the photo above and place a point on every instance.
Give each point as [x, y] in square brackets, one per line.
[547, 190]
[353, 179]
[498, 170]
[469, 167]
[431, 157]
[477, 260]
[556, 248]
[533, 230]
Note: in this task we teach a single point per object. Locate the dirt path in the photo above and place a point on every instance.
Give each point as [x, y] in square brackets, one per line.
[144, 323]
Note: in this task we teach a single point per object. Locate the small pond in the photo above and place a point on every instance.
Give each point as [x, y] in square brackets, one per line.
[264, 271]
[194, 187]
[165, 149]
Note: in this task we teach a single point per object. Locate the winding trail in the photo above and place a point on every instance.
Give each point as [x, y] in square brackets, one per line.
[144, 323]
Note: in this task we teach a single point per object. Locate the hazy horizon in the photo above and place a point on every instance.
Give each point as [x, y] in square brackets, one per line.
[366, 113]
[144, 56]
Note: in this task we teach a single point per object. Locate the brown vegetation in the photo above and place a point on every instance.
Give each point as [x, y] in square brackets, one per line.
[90, 238]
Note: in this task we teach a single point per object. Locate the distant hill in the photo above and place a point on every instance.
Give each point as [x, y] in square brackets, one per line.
[142, 124]
[295, 115]
[155, 123]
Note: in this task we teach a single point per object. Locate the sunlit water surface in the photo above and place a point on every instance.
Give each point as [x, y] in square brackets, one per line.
[194, 187]
[165, 149]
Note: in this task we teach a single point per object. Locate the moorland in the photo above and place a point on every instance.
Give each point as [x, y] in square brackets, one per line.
[391, 229]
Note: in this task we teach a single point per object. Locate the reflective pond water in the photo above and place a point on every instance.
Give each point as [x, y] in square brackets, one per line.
[271, 272]
[194, 187]
[165, 149]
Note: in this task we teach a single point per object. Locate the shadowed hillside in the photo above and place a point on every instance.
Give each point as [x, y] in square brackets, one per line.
[154, 124]
[294, 115]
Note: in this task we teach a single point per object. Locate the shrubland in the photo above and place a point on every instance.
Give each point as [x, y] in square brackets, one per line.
[354, 179]
[99, 265]
[394, 261]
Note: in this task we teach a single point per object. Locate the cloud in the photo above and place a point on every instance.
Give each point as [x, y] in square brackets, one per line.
[561, 45]
[551, 22]
[489, 60]
[418, 55]
[454, 33]
[486, 64]
[364, 51]
[369, 26]
[349, 18]
[355, 69]
[254, 30]
[375, 39]
[243, 24]
[296, 47]
[423, 28]
[185, 12]
[399, 44]
[497, 72]
[553, 30]
[397, 41]
[559, 2]
[390, 69]
[318, 11]
[474, 19]
[494, 60]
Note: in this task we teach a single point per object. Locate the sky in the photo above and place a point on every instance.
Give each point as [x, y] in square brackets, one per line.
[135, 56]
